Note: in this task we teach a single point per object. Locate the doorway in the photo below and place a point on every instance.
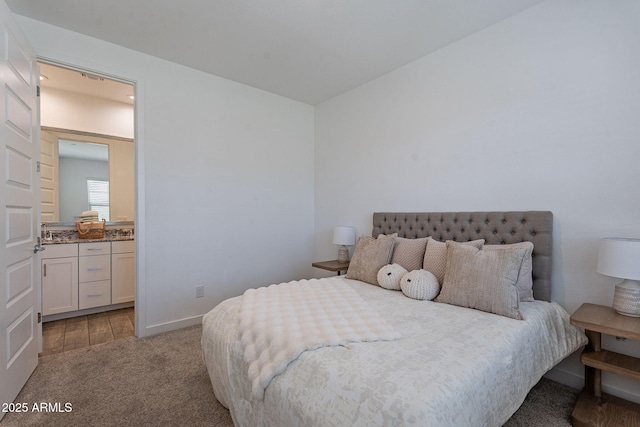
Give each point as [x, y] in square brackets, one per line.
[82, 107]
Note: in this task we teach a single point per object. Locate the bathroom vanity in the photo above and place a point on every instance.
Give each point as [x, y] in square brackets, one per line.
[81, 277]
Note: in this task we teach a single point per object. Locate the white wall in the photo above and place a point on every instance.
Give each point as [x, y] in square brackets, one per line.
[225, 179]
[69, 110]
[538, 112]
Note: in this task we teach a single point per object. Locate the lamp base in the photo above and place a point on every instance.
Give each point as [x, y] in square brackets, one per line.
[626, 298]
[343, 254]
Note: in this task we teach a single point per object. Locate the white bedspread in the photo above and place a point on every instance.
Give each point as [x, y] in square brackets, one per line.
[279, 322]
[453, 366]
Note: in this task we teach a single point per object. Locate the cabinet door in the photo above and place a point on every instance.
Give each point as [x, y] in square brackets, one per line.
[122, 278]
[59, 285]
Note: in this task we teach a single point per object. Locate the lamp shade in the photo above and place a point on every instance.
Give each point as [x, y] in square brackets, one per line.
[619, 257]
[344, 236]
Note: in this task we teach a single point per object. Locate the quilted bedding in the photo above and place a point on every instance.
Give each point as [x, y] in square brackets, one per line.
[279, 322]
[453, 366]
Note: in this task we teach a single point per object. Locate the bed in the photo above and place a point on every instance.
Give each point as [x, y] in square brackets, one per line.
[449, 365]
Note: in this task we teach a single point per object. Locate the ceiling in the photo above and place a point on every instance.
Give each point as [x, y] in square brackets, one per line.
[83, 150]
[307, 50]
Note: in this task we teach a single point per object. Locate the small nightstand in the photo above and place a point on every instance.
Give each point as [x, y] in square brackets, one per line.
[333, 265]
[595, 408]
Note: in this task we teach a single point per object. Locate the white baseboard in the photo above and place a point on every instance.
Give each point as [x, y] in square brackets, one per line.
[173, 325]
[565, 377]
[614, 386]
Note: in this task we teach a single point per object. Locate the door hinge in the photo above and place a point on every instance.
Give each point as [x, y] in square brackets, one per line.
[39, 317]
[38, 166]
[37, 90]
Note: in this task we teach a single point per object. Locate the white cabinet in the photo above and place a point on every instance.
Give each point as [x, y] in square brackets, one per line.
[59, 279]
[79, 276]
[122, 272]
[94, 267]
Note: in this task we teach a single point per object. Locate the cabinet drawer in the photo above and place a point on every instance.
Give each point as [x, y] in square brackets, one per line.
[98, 248]
[63, 250]
[122, 247]
[94, 268]
[94, 294]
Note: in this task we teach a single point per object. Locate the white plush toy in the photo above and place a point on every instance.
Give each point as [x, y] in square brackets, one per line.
[389, 276]
[420, 284]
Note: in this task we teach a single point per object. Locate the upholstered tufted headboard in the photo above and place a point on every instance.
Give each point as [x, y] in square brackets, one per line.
[494, 227]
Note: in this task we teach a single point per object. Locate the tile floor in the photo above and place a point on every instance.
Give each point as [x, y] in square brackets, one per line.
[84, 331]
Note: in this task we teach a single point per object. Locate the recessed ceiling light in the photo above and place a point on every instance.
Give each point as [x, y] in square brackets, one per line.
[43, 77]
[132, 97]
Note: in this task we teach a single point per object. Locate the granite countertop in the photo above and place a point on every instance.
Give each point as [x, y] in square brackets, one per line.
[57, 237]
[64, 240]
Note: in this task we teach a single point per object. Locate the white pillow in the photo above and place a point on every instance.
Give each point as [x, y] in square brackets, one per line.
[389, 276]
[420, 284]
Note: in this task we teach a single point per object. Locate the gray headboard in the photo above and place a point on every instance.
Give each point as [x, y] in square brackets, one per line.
[494, 227]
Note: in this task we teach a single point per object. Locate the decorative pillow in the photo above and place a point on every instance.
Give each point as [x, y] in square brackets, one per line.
[369, 256]
[420, 284]
[435, 256]
[409, 253]
[525, 278]
[389, 276]
[484, 280]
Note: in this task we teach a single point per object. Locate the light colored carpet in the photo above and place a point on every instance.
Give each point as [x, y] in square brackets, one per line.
[162, 381]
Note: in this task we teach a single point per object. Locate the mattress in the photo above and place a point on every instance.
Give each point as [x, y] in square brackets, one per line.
[453, 366]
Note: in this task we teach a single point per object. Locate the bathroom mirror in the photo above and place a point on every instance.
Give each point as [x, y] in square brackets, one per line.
[86, 172]
[83, 178]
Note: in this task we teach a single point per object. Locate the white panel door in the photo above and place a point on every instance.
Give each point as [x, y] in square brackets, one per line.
[19, 208]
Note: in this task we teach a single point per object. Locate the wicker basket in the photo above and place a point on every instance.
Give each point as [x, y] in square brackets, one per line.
[91, 230]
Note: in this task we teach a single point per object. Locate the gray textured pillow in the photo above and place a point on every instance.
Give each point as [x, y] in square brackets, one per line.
[435, 256]
[409, 253]
[369, 256]
[525, 278]
[484, 280]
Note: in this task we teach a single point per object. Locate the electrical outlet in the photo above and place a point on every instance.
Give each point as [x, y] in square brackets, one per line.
[199, 291]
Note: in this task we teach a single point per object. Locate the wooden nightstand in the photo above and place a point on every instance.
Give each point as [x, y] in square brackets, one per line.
[333, 265]
[595, 408]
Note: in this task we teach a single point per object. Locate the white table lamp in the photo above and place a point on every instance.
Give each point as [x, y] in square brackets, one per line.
[620, 257]
[344, 236]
